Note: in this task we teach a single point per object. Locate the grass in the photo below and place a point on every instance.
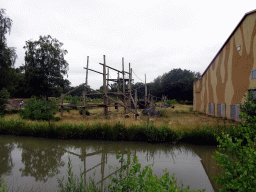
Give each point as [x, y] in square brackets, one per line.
[178, 124]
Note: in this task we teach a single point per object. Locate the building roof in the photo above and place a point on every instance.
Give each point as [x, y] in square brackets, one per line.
[246, 14]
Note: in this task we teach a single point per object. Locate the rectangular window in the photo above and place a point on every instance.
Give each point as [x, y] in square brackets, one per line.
[253, 74]
[210, 108]
[223, 109]
[219, 109]
[238, 112]
[233, 111]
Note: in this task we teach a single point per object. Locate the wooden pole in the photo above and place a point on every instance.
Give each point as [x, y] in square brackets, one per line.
[105, 88]
[118, 84]
[123, 84]
[145, 91]
[84, 102]
[61, 109]
[129, 86]
[136, 104]
[85, 92]
[107, 84]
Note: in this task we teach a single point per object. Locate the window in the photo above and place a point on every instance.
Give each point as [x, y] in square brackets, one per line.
[219, 109]
[233, 111]
[253, 74]
[211, 108]
[223, 109]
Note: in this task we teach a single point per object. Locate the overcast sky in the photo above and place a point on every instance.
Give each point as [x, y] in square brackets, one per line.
[155, 36]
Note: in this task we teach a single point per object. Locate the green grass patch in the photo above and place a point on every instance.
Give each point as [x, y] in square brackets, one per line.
[205, 134]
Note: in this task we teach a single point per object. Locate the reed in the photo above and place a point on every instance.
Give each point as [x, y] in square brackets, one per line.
[205, 134]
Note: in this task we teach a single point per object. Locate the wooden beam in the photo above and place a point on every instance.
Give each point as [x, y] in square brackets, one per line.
[123, 106]
[113, 68]
[93, 70]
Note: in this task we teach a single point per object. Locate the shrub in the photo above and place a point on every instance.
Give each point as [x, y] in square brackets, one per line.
[131, 178]
[38, 110]
[4, 95]
[164, 113]
[239, 157]
[2, 186]
[86, 112]
[171, 102]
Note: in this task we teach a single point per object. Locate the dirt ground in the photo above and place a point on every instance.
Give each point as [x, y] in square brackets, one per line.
[14, 103]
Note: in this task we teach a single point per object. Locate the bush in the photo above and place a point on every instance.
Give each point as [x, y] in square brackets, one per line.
[4, 96]
[38, 110]
[171, 102]
[239, 157]
[164, 113]
[75, 100]
[86, 112]
[131, 178]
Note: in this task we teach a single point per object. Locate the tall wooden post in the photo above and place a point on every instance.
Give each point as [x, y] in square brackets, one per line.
[85, 92]
[129, 87]
[105, 88]
[61, 109]
[118, 84]
[84, 99]
[107, 83]
[124, 85]
[146, 91]
[136, 104]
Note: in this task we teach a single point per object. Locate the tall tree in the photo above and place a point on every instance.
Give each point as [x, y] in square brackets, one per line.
[45, 66]
[7, 55]
[176, 84]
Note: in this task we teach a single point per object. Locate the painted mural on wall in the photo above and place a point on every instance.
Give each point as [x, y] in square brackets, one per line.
[228, 78]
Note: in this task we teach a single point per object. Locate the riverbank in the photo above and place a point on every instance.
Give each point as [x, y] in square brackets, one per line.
[204, 134]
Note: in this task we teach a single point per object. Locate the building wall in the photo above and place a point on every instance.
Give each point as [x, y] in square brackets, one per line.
[228, 78]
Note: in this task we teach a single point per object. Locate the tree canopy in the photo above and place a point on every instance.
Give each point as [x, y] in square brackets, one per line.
[45, 66]
[7, 55]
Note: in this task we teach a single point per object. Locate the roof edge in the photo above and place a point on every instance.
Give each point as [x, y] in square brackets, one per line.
[243, 18]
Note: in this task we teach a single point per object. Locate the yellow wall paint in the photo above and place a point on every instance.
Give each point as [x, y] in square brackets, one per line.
[248, 25]
[253, 81]
[222, 67]
[229, 91]
[226, 79]
[239, 40]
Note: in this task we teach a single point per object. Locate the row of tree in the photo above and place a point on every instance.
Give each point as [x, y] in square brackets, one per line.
[45, 67]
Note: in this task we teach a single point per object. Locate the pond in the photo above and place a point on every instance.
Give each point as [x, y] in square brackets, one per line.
[33, 164]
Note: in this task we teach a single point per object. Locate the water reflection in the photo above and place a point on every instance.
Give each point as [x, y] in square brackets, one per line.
[6, 163]
[40, 161]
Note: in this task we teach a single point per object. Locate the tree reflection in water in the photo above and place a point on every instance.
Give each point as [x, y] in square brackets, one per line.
[6, 163]
[41, 161]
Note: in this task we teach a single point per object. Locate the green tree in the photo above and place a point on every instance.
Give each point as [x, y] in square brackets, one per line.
[4, 96]
[45, 66]
[176, 84]
[239, 157]
[7, 54]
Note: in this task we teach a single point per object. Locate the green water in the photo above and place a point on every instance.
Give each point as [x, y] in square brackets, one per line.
[34, 164]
